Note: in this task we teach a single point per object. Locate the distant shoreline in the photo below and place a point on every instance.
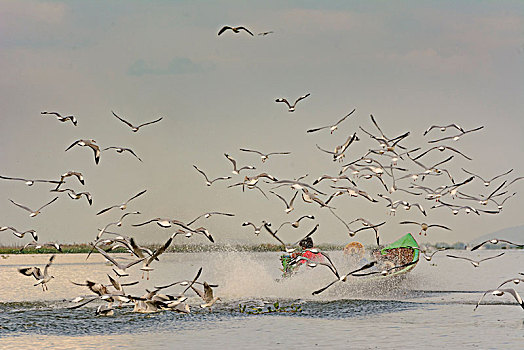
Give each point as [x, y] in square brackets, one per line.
[197, 248]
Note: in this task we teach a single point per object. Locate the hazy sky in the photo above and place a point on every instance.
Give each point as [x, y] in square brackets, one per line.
[409, 63]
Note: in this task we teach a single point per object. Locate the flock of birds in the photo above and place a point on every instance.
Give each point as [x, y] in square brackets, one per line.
[401, 172]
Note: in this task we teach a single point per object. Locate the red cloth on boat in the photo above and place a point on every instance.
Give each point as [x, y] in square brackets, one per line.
[318, 257]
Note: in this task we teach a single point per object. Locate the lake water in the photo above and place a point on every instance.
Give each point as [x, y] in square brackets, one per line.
[432, 306]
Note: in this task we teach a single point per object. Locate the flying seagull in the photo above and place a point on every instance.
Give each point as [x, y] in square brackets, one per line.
[501, 292]
[475, 263]
[234, 162]
[136, 128]
[122, 206]
[496, 241]
[89, 143]
[424, 227]
[333, 127]
[33, 212]
[263, 156]
[60, 118]
[122, 149]
[234, 29]
[291, 108]
[29, 182]
[210, 182]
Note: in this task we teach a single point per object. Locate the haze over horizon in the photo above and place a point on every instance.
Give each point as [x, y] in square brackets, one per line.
[410, 64]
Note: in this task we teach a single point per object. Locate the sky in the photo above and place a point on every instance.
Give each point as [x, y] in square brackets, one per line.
[411, 64]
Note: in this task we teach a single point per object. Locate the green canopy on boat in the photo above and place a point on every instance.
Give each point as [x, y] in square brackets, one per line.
[406, 241]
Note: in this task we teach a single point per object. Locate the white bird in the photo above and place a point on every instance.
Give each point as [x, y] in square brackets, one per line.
[496, 241]
[29, 182]
[89, 143]
[487, 182]
[122, 206]
[20, 234]
[344, 278]
[501, 292]
[430, 256]
[289, 206]
[208, 215]
[456, 137]
[443, 128]
[475, 263]
[61, 118]
[210, 182]
[424, 227]
[74, 195]
[77, 174]
[206, 295]
[121, 267]
[291, 108]
[136, 128]
[41, 278]
[296, 223]
[263, 156]
[257, 228]
[122, 149]
[33, 212]
[442, 149]
[149, 260]
[116, 223]
[234, 162]
[333, 127]
[235, 29]
[338, 153]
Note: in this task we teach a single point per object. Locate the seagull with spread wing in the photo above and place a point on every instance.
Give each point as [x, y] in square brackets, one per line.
[333, 127]
[136, 128]
[291, 108]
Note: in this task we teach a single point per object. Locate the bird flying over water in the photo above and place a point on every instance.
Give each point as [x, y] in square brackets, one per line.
[41, 277]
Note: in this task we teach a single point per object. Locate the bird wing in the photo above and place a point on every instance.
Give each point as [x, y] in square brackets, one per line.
[160, 250]
[201, 172]
[208, 292]
[45, 205]
[492, 257]
[458, 257]
[21, 206]
[107, 209]
[224, 28]
[479, 245]
[317, 129]
[135, 196]
[144, 223]
[441, 226]
[123, 120]
[409, 222]
[74, 143]
[249, 150]
[151, 122]
[49, 264]
[283, 100]
[310, 233]
[244, 28]
[198, 292]
[323, 150]
[136, 249]
[231, 160]
[300, 99]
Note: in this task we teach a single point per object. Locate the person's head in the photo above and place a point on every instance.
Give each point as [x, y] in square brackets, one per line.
[306, 243]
